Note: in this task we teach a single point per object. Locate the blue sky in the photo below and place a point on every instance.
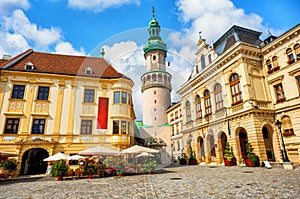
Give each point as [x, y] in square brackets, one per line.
[82, 27]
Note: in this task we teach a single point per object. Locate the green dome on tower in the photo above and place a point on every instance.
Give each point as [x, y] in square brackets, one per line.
[154, 40]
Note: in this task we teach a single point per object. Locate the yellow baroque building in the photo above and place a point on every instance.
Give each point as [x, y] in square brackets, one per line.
[53, 103]
[240, 89]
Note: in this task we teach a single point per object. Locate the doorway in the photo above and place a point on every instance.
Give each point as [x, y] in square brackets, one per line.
[223, 144]
[267, 135]
[201, 154]
[32, 161]
[243, 140]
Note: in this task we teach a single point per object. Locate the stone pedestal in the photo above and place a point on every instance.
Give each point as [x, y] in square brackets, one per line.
[288, 165]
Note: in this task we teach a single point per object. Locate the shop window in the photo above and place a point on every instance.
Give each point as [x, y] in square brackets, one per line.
[207, 103]
[235, 87]
[18, 91]
[279, 93]
[38, 126]
[89, 95]
[218, 97]
[86, 127]
[287, 127]
[11, 126]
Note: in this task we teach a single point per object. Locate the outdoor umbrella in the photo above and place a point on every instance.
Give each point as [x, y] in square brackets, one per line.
[98, 151]
[58, 156]
[75, 157]
[144, 154]
[4, 154]
[138, 149]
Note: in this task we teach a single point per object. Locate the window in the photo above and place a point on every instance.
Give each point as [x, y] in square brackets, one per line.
[89, 95]
[298, 83]
[29, 66]
[86, 127]
[116, 127]
[18, 92]
[38, 126]
[290, 55]
[129, 99]
[235, 88]
[154, 57]
[218, 97]
[269, 64]
[275, 61]
[287, 127]
[154, 92]
[209, 58]
[123, 127]
[88, 71]
[154, 101]
[178, 145]
[43, 93]
[128, 131]
[124, 97]
[202, 61]
[11, 126]
[279, 93]
[116, 97]
[207, 102]
[197, 70]
[188, 111]
[297, 51]
[198, 107]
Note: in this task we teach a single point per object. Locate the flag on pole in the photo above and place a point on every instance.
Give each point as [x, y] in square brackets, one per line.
[228, 127]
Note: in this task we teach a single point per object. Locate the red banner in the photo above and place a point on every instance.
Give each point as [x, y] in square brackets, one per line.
[102, 113]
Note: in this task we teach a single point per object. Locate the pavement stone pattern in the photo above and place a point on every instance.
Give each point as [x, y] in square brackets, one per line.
[175, 182]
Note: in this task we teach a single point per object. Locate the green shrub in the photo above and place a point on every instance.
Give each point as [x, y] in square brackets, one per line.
[59, 168]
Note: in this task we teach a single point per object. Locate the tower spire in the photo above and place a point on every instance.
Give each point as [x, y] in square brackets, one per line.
[153, 11]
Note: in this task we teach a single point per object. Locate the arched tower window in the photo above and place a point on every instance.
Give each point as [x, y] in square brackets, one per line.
[235, 87]
[198, 107]
[207, 102]
[188, 111]
[218, 96]
[202, 61]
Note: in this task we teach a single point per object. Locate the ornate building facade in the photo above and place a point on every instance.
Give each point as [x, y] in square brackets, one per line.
[53, 103]
[239, 88]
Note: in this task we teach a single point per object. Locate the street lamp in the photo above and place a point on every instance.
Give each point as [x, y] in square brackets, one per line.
[285, 157]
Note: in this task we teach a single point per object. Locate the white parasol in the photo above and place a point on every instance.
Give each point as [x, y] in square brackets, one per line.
[75, 157]
[98, 151]
[58, 156]
[138, 149]
[145, 154]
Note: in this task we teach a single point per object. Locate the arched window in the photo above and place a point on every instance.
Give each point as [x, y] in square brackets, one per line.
[275, 61]
[207, 102]
[198, 107]
[269, 64]
[297, 51]
[188, 111]
[218, 97]
[235, 87]
[287, 127]
[154, 77]
[279, 93]
[290, 55]
[202, 61]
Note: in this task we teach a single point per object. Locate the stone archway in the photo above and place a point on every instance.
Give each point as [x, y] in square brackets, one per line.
[222, 146]
[200, 149]
[32, 161]
[211, 152]
[268, 140]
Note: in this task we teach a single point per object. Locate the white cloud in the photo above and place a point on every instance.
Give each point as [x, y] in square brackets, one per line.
[213, 18]
[7, 6]
[99, 5]
[67, 49]
[40, 37]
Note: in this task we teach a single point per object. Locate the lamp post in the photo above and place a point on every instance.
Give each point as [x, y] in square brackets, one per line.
[285, 157]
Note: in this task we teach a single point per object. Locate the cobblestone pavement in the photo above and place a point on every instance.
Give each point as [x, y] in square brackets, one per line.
[178, 182]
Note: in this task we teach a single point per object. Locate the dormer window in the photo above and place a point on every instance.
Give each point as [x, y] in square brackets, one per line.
[29, 66]
[88, 71]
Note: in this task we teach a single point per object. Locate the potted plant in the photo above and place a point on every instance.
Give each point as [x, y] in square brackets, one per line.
[183, 159]
[90, 168]
[149, 166]
[59, 169]
[192, 160]
[9, 166]
[251, 158]
[229, 158]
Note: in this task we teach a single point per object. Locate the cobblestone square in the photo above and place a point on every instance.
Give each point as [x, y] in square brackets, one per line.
[177, 182]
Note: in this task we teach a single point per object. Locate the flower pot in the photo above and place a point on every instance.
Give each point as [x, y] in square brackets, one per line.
[59, 178]
[90, 176]
[248, 162]
[227, 162]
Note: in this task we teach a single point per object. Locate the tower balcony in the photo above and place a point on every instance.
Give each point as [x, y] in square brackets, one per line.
[156, 79]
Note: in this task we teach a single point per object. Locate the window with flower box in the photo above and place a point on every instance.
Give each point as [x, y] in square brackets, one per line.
[275, 63]
[279, 93]
[188, 111]
[218, 97]
[11, 126]
[207, 103]
[269, 66]
[235, 87]
[287, 127]
[290, 56]
[198, 107]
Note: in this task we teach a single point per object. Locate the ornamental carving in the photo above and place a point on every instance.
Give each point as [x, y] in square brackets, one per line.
[88, 109]
[41, 107]
[16, 106]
